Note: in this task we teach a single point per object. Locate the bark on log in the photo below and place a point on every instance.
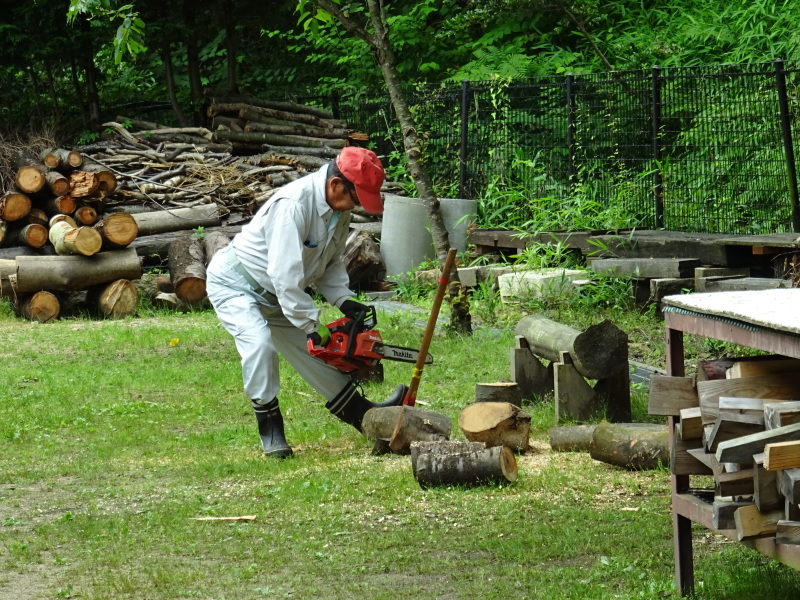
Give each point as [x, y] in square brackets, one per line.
[38, 216]
[117, 230]
[296, 129]
[178, 219]
[378, 423]
[14, 206]
[61, 205]
[57, 183]
[8, 269]
[286, 106]
[598, 352]
[443, 447]
[500, 391]
[417, 425]
[138, 124]
[496, 424]
[571, 438]
[41, 306]
[156, 247]
[68, 240]
[631, 445]
[362, 258]
[187, 269]
[213, 242]
[237, 107]
[61, 159]
[68, 273]
[31, 175]
[59, 218]
[254, 137]
[116, 299]
[271, 149]
[84, 183]
[490, 465]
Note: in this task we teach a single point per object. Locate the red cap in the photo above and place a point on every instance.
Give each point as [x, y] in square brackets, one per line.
[363, 169]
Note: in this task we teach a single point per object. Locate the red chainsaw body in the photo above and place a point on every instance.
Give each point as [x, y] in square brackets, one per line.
[347, 350]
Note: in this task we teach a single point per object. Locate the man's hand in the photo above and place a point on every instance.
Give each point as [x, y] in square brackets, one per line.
[321, 336]
[351, 308]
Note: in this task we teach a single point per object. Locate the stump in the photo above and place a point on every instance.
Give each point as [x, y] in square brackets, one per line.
[631, 445]
[402, 425]
[41, 306]
[498, 392]
[496, 424]
[470, 467]
[187, 269]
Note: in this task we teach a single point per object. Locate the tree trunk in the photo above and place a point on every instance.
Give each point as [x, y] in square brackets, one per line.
[116, 299]
[193, 61]
[178, 219]
[496, 424]
[90, 71]
[600, 351]
[108, 181]
[68, 240]
[57, 183]
[166, 60]
[32, 235]
[41, 306]
[473, 467]
[69, 273]
[231, 45]
[117, 230]
[61, 160]
[187, 269]
[14, 206]
[631, 445]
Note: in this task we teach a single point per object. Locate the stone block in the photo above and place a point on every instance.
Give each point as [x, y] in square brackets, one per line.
[537, 283]
[745, 283]
[700, 272]
[649, 268]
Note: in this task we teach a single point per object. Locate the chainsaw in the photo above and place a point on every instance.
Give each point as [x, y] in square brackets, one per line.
[356, 347]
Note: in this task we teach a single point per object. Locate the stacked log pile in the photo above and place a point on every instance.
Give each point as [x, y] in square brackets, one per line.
[742, 429]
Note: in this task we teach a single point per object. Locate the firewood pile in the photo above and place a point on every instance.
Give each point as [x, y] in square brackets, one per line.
[143, 187]
[738, 424]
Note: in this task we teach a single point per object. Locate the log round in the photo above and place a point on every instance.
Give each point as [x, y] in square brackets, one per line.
[31, 177]
[598, 352]
[414, 425]
[476, 467]
[117, 230]
[443, 447]
[107, 181]
[378, 423]
[496, 424]
[84, 183]
[571, 438]
[69, 240]
[62, 159]
[58, 218]
[69, 273]
[57, 183]
[85, 215]
[41, 306]
[33, 235]
[8, 269]
[14, 206]
[500, 391]
[38, 216]
[635, 446]
[116, 299]
[62, 205]
[187, 269]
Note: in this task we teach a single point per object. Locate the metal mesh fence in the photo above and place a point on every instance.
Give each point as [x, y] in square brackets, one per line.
[701, 149]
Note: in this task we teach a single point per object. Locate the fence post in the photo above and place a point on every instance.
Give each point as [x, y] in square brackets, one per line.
[462, 158]
[571, 129]
[788, 146]
[658, 184]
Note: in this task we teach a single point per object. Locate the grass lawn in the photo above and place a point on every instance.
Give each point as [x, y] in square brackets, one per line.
[115, 436]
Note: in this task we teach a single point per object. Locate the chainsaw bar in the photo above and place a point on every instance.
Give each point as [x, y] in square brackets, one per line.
[401, 354]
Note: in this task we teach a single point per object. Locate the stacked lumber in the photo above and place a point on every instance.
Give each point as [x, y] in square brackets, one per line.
[742, 428]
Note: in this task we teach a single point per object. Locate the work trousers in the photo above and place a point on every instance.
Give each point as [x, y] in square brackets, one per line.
[261, 331]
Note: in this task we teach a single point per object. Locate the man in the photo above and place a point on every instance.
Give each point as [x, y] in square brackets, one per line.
[257, 287]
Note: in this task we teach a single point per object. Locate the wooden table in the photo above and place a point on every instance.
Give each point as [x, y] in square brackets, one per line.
[768, 320]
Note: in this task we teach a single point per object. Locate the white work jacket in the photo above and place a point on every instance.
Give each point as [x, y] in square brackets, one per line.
[288, 246]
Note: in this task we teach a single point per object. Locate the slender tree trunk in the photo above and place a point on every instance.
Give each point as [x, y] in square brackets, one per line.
[193, 63]
[166, 58]
[76, 84]
[92, 95]
[231, 46]
[51, 84]
[37, 91]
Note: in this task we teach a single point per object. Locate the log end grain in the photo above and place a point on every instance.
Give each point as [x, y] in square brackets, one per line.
[496, 424]
[30, 178]
[14, 206]
[117, 230]
[85, 240]
[117, 299]
[191, 290]
[43, 307]
[33, 235]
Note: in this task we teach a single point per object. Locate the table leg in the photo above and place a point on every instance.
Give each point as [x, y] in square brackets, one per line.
[684, 562]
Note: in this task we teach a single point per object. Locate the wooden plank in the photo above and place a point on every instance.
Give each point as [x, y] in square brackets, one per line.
[780, 386]
[682, 462]
[782, 455]
[781, 413]
[691, 425]
[791, 510]
[742, 410]
[751, 522]
[739, 483]
[765, 486]
[723, 512]
[741, 450]
[708, 459]
[729, 430]
[789, 485]
[762, 365]
[669, 395]
[787, 532]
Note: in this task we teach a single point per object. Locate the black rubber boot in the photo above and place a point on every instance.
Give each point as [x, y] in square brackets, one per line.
[270, 428]
[350, 405]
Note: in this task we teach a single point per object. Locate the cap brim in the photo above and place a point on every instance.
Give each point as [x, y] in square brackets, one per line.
[370, 201]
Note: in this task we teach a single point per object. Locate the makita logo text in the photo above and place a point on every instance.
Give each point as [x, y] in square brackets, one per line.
[403, 354]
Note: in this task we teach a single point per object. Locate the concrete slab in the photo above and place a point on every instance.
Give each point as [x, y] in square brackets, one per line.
[537, 283]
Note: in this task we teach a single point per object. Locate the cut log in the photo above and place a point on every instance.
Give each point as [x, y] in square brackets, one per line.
[476, 467]
[255, 137]
[60, 205]
[68, 240]
[187, 269]
[417, 425]
[14, 206]
[362, 258]
[57, 183]
[68, 273]
[38, 216]
[296, 129]
[61, 159]
[116, 299]
[85, 215]
[441, 448]
[631, 445]
[58, 218]
[571, 438]
[378, 423]
[496, 424]
[31, 175]
[213, 242]
[501, 391]
[32, 235]
[41, 306]
[84, 183]
[178, 219]
[599, 351]
[117, 230]
[8, 271]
